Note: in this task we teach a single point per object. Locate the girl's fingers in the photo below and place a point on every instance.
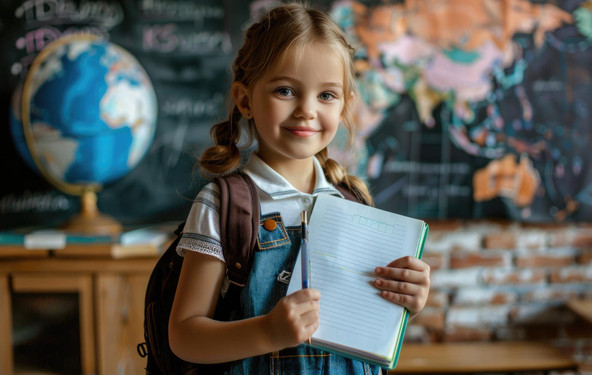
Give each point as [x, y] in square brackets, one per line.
[310, 317]
[402, 274]
[295, 317]
[303, 295]
[411, 296]
[409, 262]
[412, 303]
[406, 282]
[304, 301]
[400, 287]
[400, 299]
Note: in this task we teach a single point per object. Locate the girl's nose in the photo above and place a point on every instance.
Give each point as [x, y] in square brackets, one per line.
[305, 110]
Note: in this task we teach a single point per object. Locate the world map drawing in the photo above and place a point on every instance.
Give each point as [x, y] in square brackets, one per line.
[498, 91]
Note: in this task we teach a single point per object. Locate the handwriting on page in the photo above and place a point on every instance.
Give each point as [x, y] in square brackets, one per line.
[336, 260]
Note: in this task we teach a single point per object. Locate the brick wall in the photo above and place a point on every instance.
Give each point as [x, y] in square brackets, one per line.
[496, 281]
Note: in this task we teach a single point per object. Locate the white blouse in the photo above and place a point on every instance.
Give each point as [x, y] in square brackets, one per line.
[276, 194]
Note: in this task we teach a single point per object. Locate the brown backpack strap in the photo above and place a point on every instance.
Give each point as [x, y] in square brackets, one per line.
[349, 195]
[239, 224]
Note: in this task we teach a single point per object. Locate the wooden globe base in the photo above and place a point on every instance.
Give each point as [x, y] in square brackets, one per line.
[90, 220]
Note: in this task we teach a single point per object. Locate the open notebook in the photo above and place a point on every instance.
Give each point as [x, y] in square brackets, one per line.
[347, 240]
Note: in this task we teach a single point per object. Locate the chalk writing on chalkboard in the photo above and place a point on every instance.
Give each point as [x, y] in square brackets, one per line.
[166, 38]
[41, 12]
[47, 20]
[181, 11]
[29, 201]
[190, 107]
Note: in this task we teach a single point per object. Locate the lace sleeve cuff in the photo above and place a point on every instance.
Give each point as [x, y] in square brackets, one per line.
[200, 244]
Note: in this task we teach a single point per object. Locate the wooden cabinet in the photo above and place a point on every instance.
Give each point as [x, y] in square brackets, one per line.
[110, 295]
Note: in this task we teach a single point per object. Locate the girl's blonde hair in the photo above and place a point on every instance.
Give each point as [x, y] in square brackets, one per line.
[266, 42]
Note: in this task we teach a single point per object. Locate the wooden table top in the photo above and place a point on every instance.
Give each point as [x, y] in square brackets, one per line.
[582, 307]
[77, 265]
[474, 357]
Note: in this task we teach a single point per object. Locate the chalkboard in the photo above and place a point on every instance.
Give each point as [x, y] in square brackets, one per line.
[469, 109]
[186, 48]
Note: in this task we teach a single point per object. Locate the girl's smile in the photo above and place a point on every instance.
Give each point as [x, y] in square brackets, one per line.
[301, 131]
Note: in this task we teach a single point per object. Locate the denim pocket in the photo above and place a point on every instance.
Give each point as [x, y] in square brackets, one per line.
[301, 359]
[272, 235]
[306, 360]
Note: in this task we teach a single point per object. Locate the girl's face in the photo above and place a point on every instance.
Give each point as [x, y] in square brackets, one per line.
[297, 105]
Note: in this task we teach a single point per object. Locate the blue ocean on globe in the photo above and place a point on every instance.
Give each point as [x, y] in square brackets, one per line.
[92, 111]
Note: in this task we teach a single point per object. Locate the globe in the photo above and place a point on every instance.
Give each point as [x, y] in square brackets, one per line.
[84, 117]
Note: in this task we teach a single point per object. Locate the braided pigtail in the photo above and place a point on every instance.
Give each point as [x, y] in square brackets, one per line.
[224, 156]
[337, 175]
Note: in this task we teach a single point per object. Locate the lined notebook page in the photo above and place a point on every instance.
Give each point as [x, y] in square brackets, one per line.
[347, 241]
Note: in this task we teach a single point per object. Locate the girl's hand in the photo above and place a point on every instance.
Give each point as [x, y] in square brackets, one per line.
[294, 319]
[406, 282]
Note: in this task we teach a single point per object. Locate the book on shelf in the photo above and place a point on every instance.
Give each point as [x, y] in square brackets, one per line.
[347, 241]
[142, 241]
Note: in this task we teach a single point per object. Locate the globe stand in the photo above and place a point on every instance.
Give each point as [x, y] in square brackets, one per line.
[90, 220]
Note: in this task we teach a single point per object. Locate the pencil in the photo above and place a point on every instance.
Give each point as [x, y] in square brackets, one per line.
[304, 257]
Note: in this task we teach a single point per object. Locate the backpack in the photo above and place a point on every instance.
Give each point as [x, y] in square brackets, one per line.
[239, 210]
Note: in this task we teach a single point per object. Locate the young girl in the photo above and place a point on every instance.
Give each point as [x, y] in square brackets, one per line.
[293, 83]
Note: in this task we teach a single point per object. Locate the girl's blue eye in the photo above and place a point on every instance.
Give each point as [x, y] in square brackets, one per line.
[326, 96]
[284, 91]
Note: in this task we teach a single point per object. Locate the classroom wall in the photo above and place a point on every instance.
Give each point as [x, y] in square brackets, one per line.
[469, 109]
[497, 280]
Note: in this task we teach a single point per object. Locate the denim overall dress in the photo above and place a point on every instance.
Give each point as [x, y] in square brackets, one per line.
[267, 284]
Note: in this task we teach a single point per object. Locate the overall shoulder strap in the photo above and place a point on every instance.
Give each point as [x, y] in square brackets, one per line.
[239, 224]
